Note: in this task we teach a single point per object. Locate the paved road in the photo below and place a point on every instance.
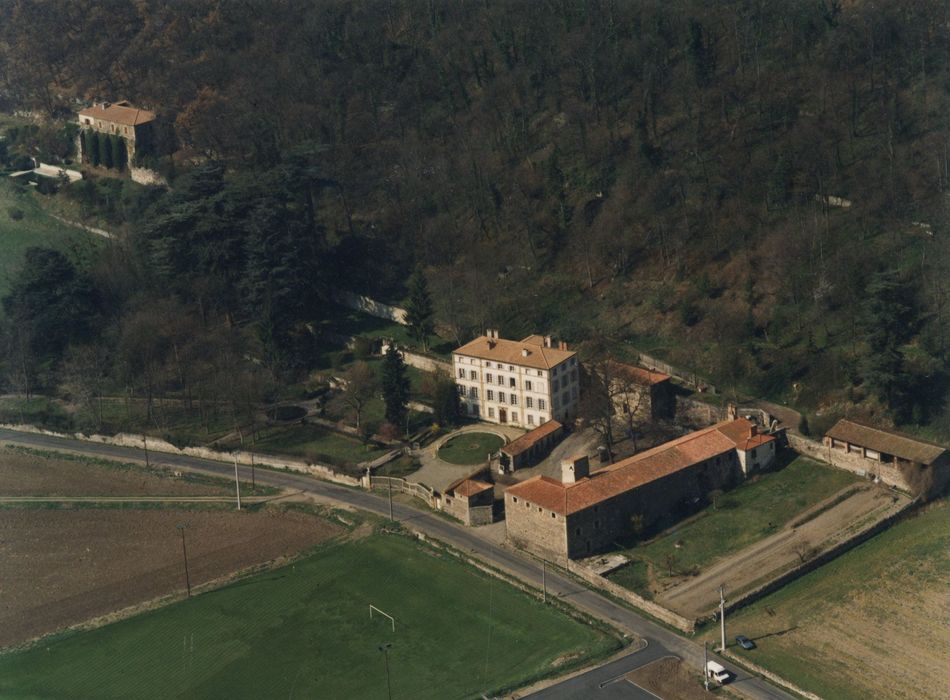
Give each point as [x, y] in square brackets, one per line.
[659, 640]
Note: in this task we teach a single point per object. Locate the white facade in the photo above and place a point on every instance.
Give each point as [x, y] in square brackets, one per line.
[505, 391]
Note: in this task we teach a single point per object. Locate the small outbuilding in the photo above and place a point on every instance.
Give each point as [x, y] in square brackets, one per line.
[470, 500]
[531, 447]
[918, 466]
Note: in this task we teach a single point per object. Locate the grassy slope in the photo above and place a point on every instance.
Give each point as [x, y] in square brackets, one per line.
[741, 518]
[306, 440]
[881, 582]
[305, 631]
[36, 228]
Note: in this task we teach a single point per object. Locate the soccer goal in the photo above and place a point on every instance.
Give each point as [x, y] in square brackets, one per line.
[373, 608]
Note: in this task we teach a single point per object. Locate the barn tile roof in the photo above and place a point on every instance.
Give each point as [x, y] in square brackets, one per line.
[119, 113]
[511, 352]
[638, 375]
[633, 472]
[531, 438]
[886, 441]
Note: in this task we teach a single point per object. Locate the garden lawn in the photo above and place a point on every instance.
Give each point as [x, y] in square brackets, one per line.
[350, 322]
[316, 443]
[36, 228]
[305, 631]
[470, 448]
[742, 516]
[873, 623]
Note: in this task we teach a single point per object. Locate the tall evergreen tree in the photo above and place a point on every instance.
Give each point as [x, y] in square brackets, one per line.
[886, 318]
[118, 152]
[105, 150]
[92, 147]
[395, 386]
[419, 311]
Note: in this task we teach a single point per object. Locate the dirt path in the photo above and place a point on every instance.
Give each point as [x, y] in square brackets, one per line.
[769, 557]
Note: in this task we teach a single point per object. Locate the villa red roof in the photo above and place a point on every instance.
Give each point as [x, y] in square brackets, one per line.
[120, 113]
[470, 487]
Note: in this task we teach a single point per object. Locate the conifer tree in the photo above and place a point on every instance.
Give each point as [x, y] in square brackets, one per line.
[92, 147]
[419, 311]
[395, 386]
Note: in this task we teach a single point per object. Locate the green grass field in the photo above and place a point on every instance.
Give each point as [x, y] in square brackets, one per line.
[355, 323]
[741, 517]
[470, 448]
[874, 623]
[304, 631]
[36, 228]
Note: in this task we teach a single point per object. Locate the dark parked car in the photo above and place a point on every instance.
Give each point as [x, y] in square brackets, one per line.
[745, 642]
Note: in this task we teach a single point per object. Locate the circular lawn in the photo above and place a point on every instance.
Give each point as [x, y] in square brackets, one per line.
[470, 448]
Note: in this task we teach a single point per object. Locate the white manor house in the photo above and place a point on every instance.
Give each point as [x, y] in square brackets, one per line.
[525, 383]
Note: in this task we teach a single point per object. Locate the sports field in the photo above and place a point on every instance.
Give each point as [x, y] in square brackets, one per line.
[304, 631]
[874, 623]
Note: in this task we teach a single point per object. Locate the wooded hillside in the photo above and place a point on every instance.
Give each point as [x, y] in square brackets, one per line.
[756, 190]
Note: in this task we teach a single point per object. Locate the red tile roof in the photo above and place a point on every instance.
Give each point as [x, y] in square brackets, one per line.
[121, 113]
[512, 352]
[470, 487]
[638, 375]
[529, 439]
[633, 472]
[886, 441]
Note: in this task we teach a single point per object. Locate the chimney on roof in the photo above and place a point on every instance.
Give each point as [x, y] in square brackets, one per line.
[562, 345]
[574, 469]
[525, 352]
[492, 333]
[491, 343]
[547, 341]
[731, 411]
[753, 430]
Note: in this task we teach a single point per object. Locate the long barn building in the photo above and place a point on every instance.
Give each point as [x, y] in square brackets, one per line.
[586, 512]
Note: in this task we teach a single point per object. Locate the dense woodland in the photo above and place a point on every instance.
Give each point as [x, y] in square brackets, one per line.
[756, 190]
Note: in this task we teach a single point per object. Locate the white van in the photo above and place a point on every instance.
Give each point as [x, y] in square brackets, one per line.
[717, 672]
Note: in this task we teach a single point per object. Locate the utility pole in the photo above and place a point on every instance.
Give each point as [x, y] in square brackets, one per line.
[184, 553]
[145, 447]
[705, 666]
[389, 480]
[237, 483]
[385, 649]
[253, 483]
[544, 581]
[722, 617]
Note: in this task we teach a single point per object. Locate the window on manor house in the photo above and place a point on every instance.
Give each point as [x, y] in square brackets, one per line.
[527, 386]
[491, 411]
[488, 378]
[514, 399]
[461, 389]
[530, 419]
[511, 382]
[514, 499]
[473, 375]
[490, 395]
[473, 392]
[540, 404]
[514, 417]
[529, 402]
[501, 380]
[554, 515]
[501, 396]
[461, 374]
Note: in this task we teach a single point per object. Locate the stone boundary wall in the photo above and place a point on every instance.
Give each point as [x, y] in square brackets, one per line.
[358, 302]
[419, 361]
[683, 375]
[848, 461]
[820, 560]
[778, 680]
[320, 471]
[647, 606]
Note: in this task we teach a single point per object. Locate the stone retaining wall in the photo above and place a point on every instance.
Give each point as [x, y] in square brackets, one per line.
[321, 471]
[358, 302]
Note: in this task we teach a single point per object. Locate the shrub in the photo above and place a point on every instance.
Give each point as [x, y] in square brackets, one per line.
[15, 213]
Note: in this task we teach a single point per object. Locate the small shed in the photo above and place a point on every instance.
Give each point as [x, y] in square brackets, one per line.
[531, 447]
[470, 500]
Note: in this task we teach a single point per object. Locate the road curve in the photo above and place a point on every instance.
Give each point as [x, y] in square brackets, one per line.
[660, 641]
